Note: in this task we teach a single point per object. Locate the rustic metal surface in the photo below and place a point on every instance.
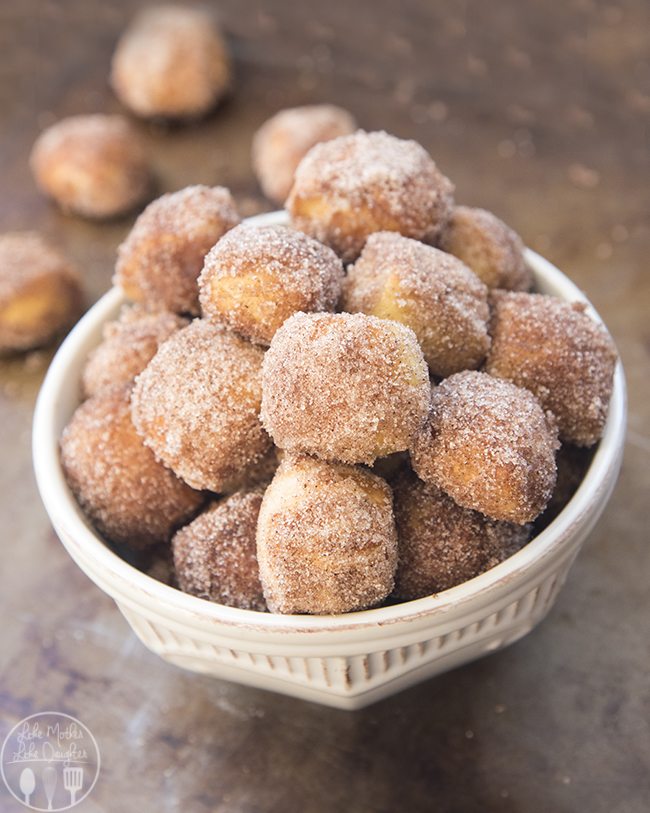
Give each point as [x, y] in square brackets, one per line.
[538, 111]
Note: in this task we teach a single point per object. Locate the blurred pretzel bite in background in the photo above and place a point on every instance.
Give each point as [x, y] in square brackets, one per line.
[40, 292]
[283, 141]
[94, 166]
[171, 62]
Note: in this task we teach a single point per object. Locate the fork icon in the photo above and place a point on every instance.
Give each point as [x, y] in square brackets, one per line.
[73, 779]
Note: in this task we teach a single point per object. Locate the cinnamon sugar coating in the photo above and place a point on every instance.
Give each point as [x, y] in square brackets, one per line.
[326, 540]
[490, 446]
[171, 62]
[558, 352]
[433, 293]
[128, 345]
[160, 261]
[215, 556]
[346, 387]
[283, 141]
[347, 188]
[196, 405]
[491, 249]
[94, 166]
[121, 487]
[441, 544]
[255, 277]
[40, 292]
[258, 473]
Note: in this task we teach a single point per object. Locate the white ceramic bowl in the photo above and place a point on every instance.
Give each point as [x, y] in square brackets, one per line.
[350, 660]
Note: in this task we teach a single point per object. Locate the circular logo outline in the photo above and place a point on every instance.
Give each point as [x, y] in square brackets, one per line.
[55, 714]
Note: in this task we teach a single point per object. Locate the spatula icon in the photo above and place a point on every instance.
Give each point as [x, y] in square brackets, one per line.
[49, 784]
[27, 783]
[73, 780]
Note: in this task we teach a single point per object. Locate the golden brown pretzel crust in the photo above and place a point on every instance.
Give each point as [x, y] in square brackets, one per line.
[326, 540]
[215, 556]
[346, 387]
[283, 141]
[197, 403]
[489, 445]
[128, 345]
[171, 62]
[490, 248]
[256, 277]
[352, 186]
[129, 496]
[433, 293]
[40, 292]
[441, 544]
[558, 352]
[160, 261]
[95, 166]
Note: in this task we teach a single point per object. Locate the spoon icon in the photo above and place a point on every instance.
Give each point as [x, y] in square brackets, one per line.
[27, 783]
[49, 784]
